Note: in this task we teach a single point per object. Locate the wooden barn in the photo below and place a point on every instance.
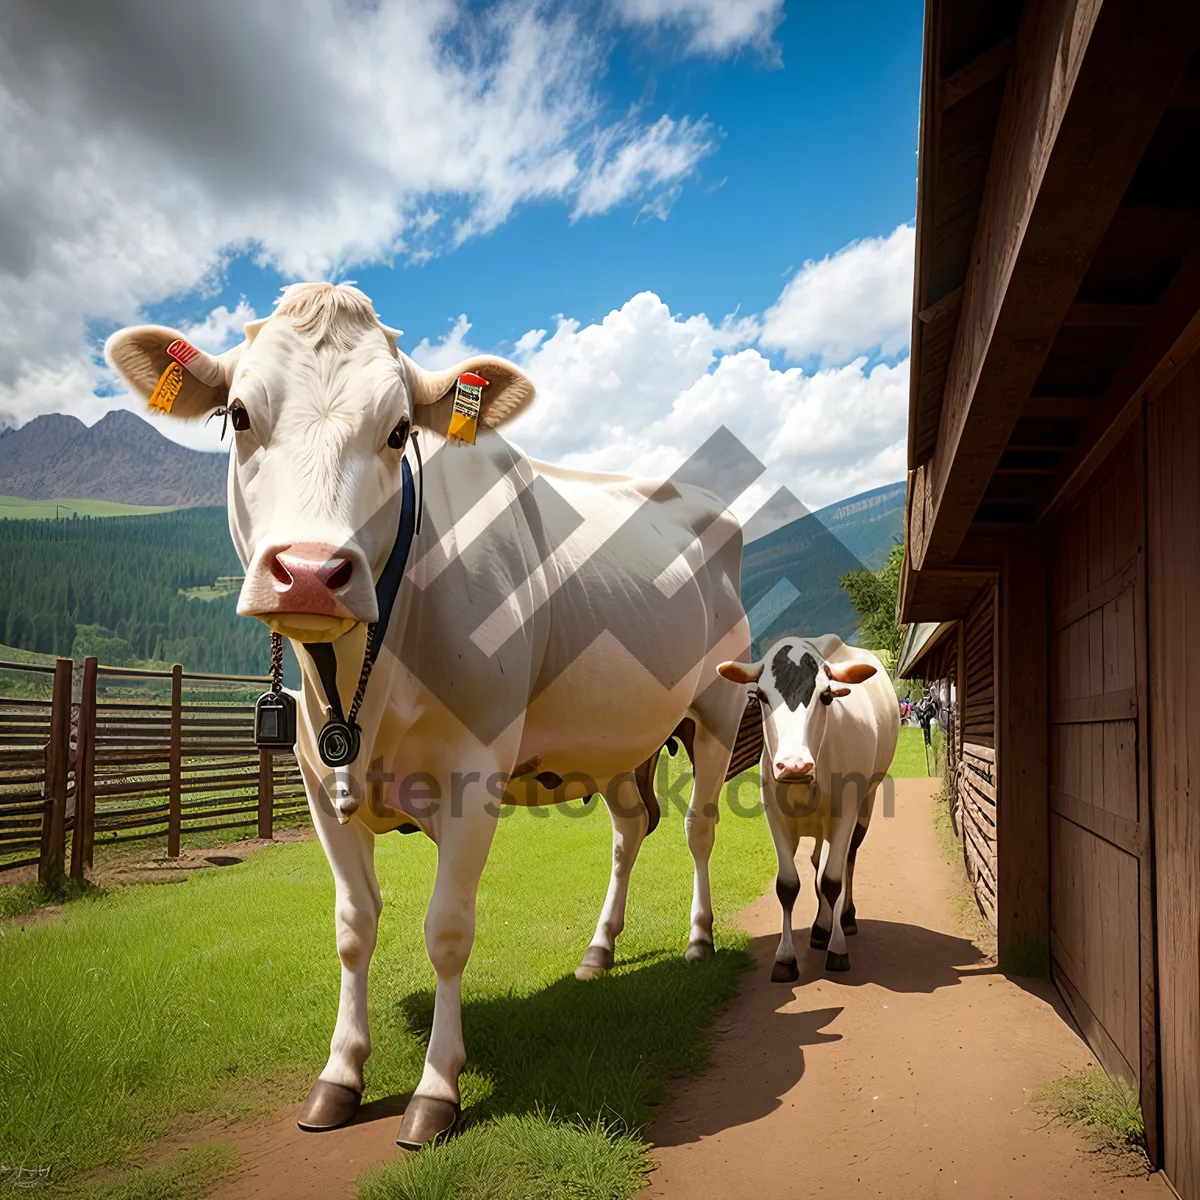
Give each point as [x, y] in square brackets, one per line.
[1053, 524]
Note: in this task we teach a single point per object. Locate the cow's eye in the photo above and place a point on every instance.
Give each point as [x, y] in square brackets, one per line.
[399, 435]
[762, 696]
[239, 416]
[827, 696]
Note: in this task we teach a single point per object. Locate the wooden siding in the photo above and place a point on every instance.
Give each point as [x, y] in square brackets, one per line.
[1174, 573]
[1101, 916]
[975, 770]
[979, 649]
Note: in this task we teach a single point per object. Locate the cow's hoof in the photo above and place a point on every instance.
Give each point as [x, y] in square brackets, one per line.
[425, 1119]
[849, 925]
[819, 938]
[596, 962]
[699, 951]
[328, 1106]
[785, 972]
[837, 962]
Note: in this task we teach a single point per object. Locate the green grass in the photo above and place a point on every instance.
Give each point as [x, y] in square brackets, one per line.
[217, 997]
[518, 1157]
[190, 1176]
[18, 899]
[1104, 1105]
[909, 762]
[15, 506]
[943, 828]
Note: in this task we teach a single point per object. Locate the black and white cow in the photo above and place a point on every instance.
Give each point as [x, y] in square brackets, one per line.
[830, 727]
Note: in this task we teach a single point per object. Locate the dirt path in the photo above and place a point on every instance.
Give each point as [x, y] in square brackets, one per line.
[908, 1077]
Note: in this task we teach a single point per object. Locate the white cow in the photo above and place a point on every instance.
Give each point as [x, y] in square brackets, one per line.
[551, 626]
[830, 727]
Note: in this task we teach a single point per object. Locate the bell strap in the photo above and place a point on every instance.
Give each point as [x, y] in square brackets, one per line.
[386, 590]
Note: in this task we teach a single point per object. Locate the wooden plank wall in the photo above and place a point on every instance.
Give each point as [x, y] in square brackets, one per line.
[975, 777]
[1173, 547]
[1100, 870]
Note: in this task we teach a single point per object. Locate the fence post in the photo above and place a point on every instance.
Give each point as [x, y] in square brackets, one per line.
[266, 793]
[175, 817]
[85, 774]
[58, 749]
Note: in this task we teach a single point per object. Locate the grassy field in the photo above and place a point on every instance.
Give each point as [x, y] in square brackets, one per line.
[909, 762]
[15, 506]
[150, 1005]
[217, 996]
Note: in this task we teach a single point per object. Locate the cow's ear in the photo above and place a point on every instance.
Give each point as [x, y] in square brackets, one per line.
[508, 390]
[849, 672]
[168, 372]
[740, 672]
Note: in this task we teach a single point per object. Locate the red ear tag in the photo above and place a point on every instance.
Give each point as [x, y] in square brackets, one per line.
[182, 352]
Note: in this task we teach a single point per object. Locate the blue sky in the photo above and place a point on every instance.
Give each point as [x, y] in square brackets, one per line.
[809, 156]
[647, 169]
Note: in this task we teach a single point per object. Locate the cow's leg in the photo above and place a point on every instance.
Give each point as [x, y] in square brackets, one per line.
[350, 849]
[463, 843]
[710, 760]
[849, 914]
[630, 822]
[818, 938]
[785, 833]
[833, 890]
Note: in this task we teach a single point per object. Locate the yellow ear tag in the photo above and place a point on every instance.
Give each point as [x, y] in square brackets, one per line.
[167, 388]
[468, 398]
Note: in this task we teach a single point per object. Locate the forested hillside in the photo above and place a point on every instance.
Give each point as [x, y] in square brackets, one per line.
[109, 586]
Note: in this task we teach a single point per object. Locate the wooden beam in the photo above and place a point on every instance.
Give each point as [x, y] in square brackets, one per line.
[1088, 86]
[983, 69]
[1172, 337]
[1022, 763]
[941, 308]
[928, 149]
[1187, 94]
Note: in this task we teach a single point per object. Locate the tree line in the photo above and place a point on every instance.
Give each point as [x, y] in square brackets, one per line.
[110, 586]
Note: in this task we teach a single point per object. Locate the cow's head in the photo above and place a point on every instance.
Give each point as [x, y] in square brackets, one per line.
[796, 688]
[321, 402]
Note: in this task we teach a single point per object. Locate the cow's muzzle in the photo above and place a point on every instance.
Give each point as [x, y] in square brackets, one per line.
[793, 770]
[310, 591]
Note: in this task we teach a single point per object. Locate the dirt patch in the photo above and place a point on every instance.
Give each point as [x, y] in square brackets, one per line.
[910, 1076]
[160, 869]
[277, 1161]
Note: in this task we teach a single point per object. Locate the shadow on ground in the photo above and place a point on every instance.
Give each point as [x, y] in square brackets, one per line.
[590, 1049]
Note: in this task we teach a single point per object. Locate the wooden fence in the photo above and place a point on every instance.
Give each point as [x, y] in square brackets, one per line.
[117, 754]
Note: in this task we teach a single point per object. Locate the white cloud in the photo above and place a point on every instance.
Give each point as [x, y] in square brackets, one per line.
[450, 351]
[716, 27]
[143, 142]
[631, 163]
[639, 392]
[221, 329]
[851, 302]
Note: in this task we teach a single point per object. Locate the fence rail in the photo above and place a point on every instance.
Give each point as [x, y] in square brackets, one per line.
[121, 754]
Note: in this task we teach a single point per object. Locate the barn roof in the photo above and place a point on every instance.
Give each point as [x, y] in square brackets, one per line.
[1057, 263]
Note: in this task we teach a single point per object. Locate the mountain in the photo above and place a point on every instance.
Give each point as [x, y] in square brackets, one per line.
[790, 577]
[121, 458]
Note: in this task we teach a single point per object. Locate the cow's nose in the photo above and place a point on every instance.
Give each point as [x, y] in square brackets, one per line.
[793, 769]
[308, 575]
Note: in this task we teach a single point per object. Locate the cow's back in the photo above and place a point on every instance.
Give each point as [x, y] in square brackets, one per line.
[867, 727]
